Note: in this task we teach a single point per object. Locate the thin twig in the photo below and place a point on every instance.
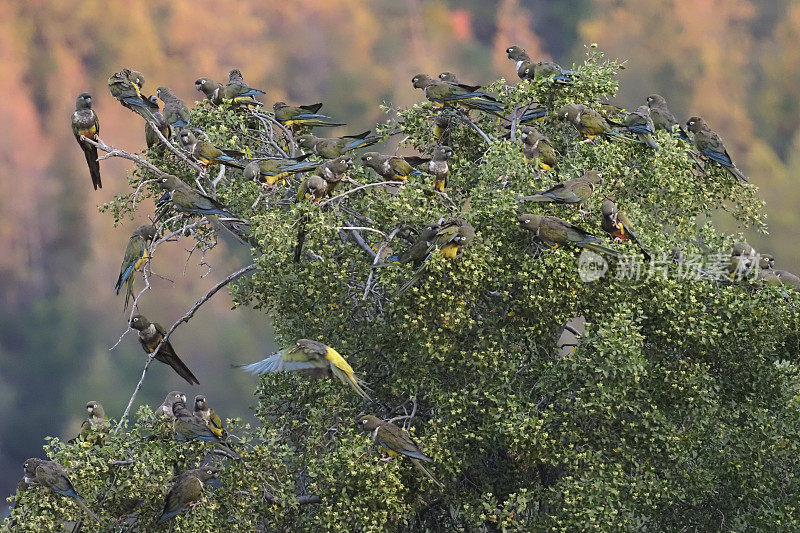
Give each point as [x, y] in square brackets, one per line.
[351, 191]
[383, 245]
[362, 228]
[185, 318]
[474, 126]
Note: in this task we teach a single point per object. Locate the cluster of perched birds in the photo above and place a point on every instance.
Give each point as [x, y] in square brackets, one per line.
[326, 162]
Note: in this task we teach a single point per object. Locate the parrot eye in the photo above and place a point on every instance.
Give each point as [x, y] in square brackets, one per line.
[363, 421]
[209, 472]
[526, 220]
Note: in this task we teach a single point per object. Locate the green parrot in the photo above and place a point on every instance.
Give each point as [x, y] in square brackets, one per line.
[545, 69]
[275, 170]
[209, 416]
[51, 475]
[211, 89]
[573, 191]
[310, 356]
[587, 121]
[136, 255]
[333, 171]
[238, 92]
[395, 441]
[442, 127]
[391, 167]
[450, 239]
[554, 232]
[188, 200]
[770, 276]
[437, 165]
[125, 86]
[420, 249]
[187, 489]
[93, 428]
[710, 145]
[537, 147]
[189, 426]
[206, 153]
[520, 58]
[165, 409]
[304, 115]
[312, 188]
[331, 148]
[444, 93]
[176, 112]
[149, 132]
[742, 261]
[662, 117]
[617, 225]
[85, 123]
[640, 123]
[150, 335]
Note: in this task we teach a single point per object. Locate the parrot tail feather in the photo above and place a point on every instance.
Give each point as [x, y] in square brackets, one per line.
[426, 472]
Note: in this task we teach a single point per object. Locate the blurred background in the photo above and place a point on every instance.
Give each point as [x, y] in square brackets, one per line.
[734, 62]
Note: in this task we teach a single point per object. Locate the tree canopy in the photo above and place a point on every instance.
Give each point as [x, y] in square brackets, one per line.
[677, 409]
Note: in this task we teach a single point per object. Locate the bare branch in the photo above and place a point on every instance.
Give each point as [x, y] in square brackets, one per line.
[383, 245]
[362, 228]
[351, 191]
[116, 152]
[185, 318]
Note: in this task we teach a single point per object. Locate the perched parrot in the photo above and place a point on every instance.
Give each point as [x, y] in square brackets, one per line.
[391, 167]
[51, 475]
[209, 416]
[238, 92]
[710, 145]
[189, 426]
[449, 77]
[587, 121]
[420, 249]
[554, 232]
[188, 200]
[618, 227]
[211, 89]
[310, 356]
[275, 170]
[770, 276]
[331, 148]
[573, 191]
[437, 165]
[125, 86]
[743, 259]
[312, 188]
[304, 115]
[640, 123]
[450, 239]
[537, 148]
[176, 112]
[135, 256]
[520, 58]
[333, 171]
[442, 127]
[187, 489]
[165, 129]
[662, 117]
[206, 153]
[545, 69]
[150, 335]
[85, 123]
[395, 441]
[444, 93]
[165, 409]
[93, 428]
